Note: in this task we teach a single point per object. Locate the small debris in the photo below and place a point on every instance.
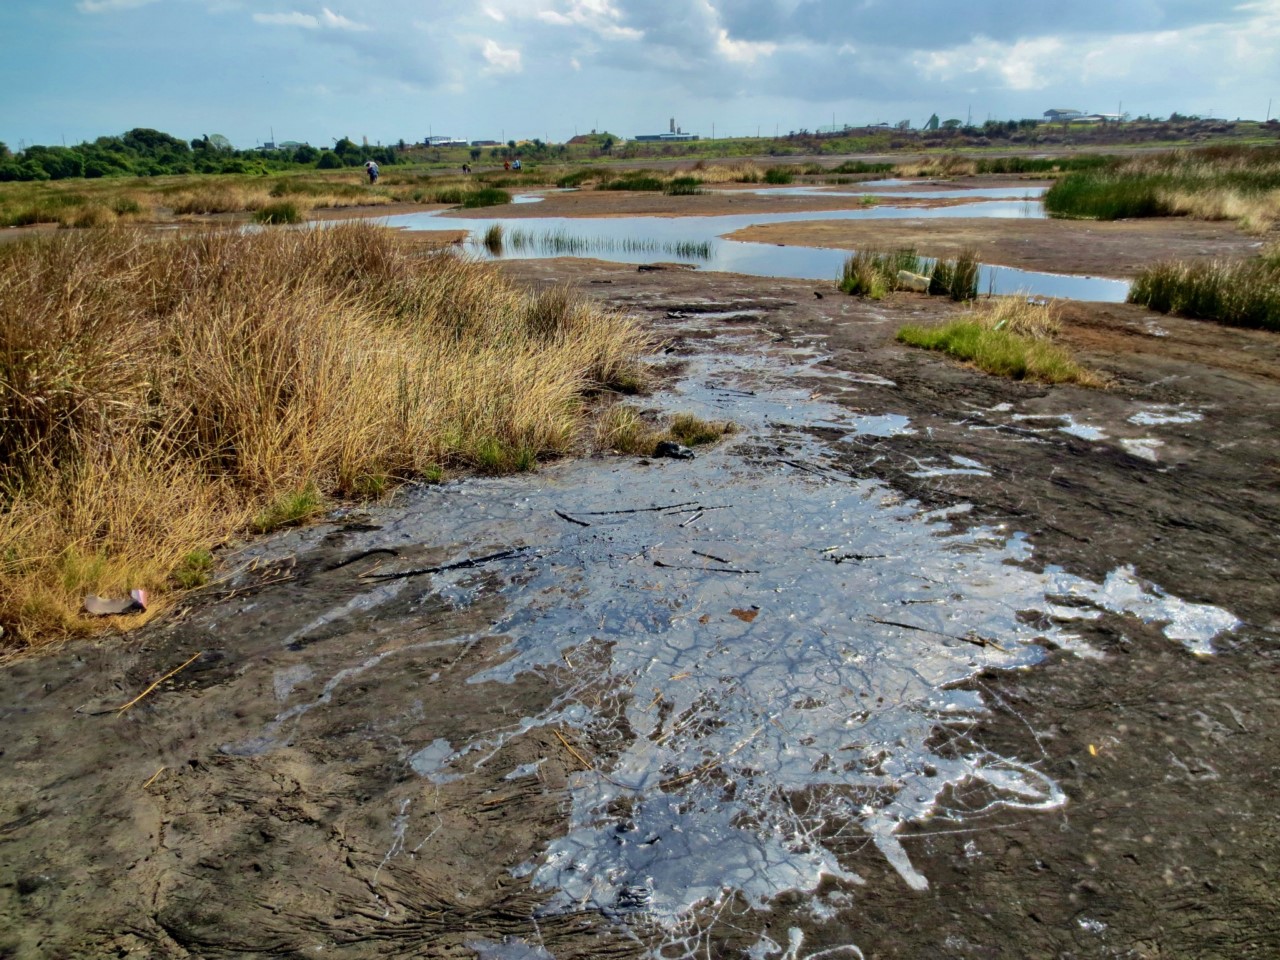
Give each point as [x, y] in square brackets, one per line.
[746, 616]
[97, 606]
[565, 516]
[676, 451]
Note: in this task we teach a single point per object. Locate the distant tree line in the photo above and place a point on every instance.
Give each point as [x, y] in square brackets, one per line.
[143, 152]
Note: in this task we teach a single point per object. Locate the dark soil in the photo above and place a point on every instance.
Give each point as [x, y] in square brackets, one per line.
[159, 833]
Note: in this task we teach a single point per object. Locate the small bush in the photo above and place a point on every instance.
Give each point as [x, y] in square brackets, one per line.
[684, 187]
[779, 175]
[282, 211]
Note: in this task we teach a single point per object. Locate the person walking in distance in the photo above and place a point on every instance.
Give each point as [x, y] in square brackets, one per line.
[372, 169]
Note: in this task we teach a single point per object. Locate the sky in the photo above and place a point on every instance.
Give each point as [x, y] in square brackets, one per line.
[386, 70]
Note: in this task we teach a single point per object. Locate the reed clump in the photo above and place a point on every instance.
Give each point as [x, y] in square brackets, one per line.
[159, 394]
[1235, 183]
[1009, 337]
[876, 273]
[1240, 294]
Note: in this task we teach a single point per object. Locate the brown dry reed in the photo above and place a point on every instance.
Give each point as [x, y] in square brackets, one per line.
[159, 394]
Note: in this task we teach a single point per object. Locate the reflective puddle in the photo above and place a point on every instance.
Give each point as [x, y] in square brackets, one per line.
[765, 658]
[701, 241]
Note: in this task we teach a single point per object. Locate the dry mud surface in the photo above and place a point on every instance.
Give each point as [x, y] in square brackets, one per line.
[921, 663]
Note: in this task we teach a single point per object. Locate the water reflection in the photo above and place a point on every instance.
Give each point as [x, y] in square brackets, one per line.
[603, 238]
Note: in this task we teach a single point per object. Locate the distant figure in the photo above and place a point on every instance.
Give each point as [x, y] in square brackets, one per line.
[466, 168]
[372, 169]
[506, 164]
[516, 165]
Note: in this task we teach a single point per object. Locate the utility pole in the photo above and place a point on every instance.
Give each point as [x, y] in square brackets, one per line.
[1268, 110]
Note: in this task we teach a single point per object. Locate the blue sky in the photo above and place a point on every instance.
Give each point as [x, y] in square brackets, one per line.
[510, 69]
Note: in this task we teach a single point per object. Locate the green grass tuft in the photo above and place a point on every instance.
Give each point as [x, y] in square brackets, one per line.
[281, 211]
[290, 509]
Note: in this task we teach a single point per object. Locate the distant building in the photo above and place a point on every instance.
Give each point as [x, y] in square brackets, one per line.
[673, 134]
[485, 143]
[1062, 115]
[444, 142]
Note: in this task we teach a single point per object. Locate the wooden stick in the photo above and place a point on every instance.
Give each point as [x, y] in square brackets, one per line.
[194, 656]
[153, 777]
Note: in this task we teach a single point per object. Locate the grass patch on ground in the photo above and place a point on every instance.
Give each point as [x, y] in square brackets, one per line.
[1007, 337]
[161, 394]
[624, 429]
[1240, 294]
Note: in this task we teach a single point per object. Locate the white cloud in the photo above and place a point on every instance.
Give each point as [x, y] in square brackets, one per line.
[501, 59]
[102, 6]
[742, 51]
[327, 20]
[598, 16]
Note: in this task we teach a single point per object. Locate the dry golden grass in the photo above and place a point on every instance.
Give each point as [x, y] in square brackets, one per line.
[741, 172]
[624, 429]
[947, 165]
[1256, 212]
[159, 392]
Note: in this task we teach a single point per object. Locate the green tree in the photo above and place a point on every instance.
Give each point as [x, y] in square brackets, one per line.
[329, 161]
[306, 154]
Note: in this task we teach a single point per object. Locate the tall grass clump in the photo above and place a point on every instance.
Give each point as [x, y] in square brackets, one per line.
[1238, 183]
[1107, 196]
[640, 180]
[1240, 294]
[683, 187]
[493, 239]
[956, 278]
[576, 178]
[779, 175]
[861, 166]
[486, 197]
[160, 393]
[874, 273]
[1007, 337]
[279, 211]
